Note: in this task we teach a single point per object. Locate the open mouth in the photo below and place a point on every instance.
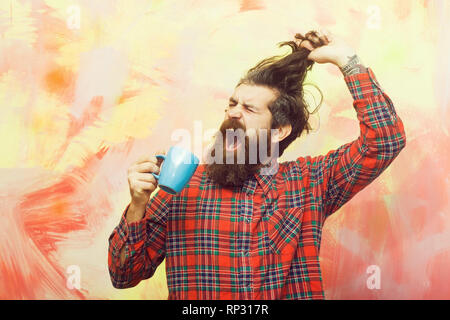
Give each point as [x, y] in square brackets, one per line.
[232, 144]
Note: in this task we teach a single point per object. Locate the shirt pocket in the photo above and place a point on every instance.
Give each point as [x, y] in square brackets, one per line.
[284, 230]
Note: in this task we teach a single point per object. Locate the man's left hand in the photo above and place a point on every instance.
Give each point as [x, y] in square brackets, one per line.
[326, 47]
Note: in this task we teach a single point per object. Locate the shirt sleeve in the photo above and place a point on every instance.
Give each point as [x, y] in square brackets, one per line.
[144, 243]
[341, 173]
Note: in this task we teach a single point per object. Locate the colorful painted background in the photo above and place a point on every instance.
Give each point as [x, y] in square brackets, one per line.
[86, 87]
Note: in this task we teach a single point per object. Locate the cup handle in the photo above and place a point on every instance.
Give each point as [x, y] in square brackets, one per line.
[158, 156]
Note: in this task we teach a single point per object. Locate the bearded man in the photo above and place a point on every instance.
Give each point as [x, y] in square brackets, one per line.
[251, 229]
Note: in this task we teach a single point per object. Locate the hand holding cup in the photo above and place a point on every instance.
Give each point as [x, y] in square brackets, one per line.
[141, 180]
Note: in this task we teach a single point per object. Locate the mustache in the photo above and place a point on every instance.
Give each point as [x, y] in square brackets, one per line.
[231, 124]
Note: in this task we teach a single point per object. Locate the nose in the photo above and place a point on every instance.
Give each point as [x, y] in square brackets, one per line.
[234, 113]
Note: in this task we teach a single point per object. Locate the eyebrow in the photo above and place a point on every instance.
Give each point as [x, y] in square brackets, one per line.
[245, 104]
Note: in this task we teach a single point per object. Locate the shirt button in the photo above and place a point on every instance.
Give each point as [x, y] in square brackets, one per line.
[246, 253]
[248, 220]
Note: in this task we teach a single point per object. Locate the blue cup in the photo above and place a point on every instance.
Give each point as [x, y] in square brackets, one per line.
[177, 169]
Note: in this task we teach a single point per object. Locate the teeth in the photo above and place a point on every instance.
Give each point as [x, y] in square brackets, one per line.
[232, 142]
[232, 145]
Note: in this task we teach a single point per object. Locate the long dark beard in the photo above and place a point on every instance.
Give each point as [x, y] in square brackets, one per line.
[235, 174]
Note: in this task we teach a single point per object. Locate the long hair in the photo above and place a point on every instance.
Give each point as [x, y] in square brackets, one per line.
[286, 74]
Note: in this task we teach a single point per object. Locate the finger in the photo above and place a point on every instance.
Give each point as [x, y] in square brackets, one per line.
[143, 158]
[299, 36]
[144, 185]
[147, 167]
[151, 158]
[145, 177]
[323, 36]
[326, 35]
[307, 44]
[314, 38]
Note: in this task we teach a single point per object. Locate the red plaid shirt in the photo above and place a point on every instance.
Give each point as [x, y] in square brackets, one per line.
[262, 240]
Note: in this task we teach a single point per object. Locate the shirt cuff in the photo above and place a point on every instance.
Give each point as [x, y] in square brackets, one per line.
[131, 232]
[362, 85]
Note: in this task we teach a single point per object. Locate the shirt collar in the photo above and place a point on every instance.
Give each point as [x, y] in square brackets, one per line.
[265, 178]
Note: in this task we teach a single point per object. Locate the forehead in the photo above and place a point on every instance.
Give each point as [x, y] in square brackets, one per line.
[258, 96]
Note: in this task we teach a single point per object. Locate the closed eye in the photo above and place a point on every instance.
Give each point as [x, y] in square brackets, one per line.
[233, 103]
[246, 108]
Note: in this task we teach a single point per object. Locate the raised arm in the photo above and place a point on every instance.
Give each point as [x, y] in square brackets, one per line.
[341, 173]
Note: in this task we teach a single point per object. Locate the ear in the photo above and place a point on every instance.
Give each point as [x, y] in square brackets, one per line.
[281, 133]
